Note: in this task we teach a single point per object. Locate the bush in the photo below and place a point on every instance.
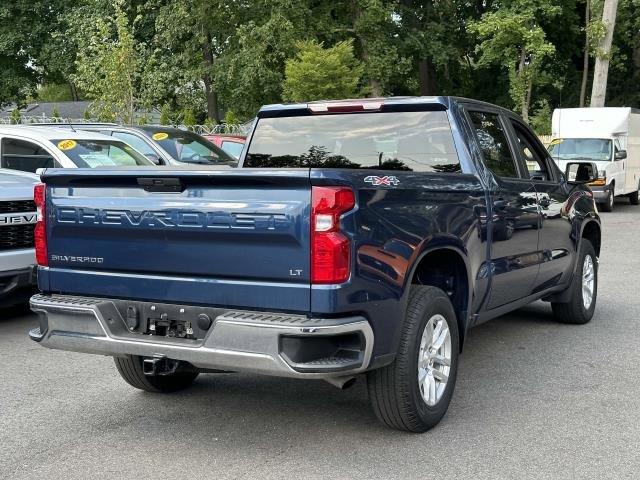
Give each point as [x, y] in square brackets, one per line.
[322, 73]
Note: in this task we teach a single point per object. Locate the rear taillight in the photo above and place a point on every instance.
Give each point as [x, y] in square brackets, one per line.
[40, 232]
[330, 249]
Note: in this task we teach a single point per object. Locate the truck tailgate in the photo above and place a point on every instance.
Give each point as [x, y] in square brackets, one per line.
[221, 237]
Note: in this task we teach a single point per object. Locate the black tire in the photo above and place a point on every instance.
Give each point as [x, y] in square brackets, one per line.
[634, 198]
[130, 369]
[394, 390]
[574, 310]
[607, 206]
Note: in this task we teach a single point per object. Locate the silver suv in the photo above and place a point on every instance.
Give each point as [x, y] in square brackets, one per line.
[17, 220]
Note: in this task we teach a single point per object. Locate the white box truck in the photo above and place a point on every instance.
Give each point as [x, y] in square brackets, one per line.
[609, 137]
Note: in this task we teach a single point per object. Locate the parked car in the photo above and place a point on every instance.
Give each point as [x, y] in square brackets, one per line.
[608, 136]
[17, 221]
[164, 145]
[232, 144]
[30, 148]
[349, 241]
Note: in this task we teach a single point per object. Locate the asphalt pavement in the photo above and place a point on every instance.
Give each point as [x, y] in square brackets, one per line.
[534, 399]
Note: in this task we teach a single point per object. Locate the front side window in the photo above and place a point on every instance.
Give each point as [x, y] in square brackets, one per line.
[493, 143]
[410, 141]
[101, 153]
[593, 149]
[536, 165]
[25, 156]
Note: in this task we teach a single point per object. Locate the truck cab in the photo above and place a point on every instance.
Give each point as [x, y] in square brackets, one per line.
[609, 137]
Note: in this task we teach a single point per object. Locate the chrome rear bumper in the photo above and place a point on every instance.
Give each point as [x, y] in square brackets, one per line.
[236, 341]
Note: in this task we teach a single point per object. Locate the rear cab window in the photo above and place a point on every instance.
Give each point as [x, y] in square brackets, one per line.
[406, 141]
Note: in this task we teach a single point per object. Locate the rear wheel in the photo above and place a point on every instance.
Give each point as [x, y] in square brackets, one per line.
[583, 289]
[131, 370]
[634, 198]
[414, 392]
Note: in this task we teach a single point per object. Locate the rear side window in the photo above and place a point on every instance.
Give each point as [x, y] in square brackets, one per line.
[493, 143]
[136, 142]
[25, 156]
[411, 141]
[233, 148]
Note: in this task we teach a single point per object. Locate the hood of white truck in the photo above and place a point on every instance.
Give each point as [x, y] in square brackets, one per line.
[16, 185]
[602, 165]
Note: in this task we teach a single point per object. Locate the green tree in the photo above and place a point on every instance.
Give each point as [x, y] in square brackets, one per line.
[512, 36]
[108, 66]
[27, 26]
[250, 72]
[322, 73]
[165, 115]
[53, 92]
[15, 116]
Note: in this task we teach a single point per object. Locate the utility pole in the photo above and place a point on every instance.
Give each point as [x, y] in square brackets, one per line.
[601, 69]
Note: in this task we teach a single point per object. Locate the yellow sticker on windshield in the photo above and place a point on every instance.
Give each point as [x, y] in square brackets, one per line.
[67, 144]
[555, 141]
[160, 136]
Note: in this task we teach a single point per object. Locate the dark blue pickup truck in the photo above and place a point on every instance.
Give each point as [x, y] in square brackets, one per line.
[356, 237]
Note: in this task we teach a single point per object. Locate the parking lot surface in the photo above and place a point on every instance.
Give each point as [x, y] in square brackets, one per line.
[534, 399]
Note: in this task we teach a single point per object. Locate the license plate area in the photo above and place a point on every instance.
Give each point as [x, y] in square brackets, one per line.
[166, 320]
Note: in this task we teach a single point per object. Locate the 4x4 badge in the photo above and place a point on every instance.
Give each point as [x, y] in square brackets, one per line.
[386, 180]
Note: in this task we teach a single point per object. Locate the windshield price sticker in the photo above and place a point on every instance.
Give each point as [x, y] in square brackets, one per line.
[160, 136]
[67, 145]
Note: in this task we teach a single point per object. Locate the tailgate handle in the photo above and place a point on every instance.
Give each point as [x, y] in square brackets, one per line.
[161, 184]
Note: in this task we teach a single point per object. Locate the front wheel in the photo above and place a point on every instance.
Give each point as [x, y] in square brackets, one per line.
[607, 206]
[414, 392]
[583, 289]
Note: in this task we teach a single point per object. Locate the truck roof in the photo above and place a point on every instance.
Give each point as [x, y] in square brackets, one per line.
[444, 102]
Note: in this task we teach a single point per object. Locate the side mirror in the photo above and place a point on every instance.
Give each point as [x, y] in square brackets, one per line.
[620, 155]
[581, 172]
[154, 158]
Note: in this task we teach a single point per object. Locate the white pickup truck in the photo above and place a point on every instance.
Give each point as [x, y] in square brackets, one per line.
[17, 221]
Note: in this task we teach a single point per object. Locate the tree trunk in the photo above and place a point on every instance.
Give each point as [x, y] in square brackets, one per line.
[521, 76]
[209, 90]
[426, 78]
[527, 98]
[374, 83]
[585, 59]
[73, 90]
[601, 69]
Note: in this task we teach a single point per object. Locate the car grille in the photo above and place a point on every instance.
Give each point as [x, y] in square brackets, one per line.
[18, 206]
[16, 236]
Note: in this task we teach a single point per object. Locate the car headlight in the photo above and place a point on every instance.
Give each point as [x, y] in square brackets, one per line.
[602, 174]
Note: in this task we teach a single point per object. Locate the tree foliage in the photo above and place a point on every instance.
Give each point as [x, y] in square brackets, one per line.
[322, 73]
[109, 66]
[210, 57]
